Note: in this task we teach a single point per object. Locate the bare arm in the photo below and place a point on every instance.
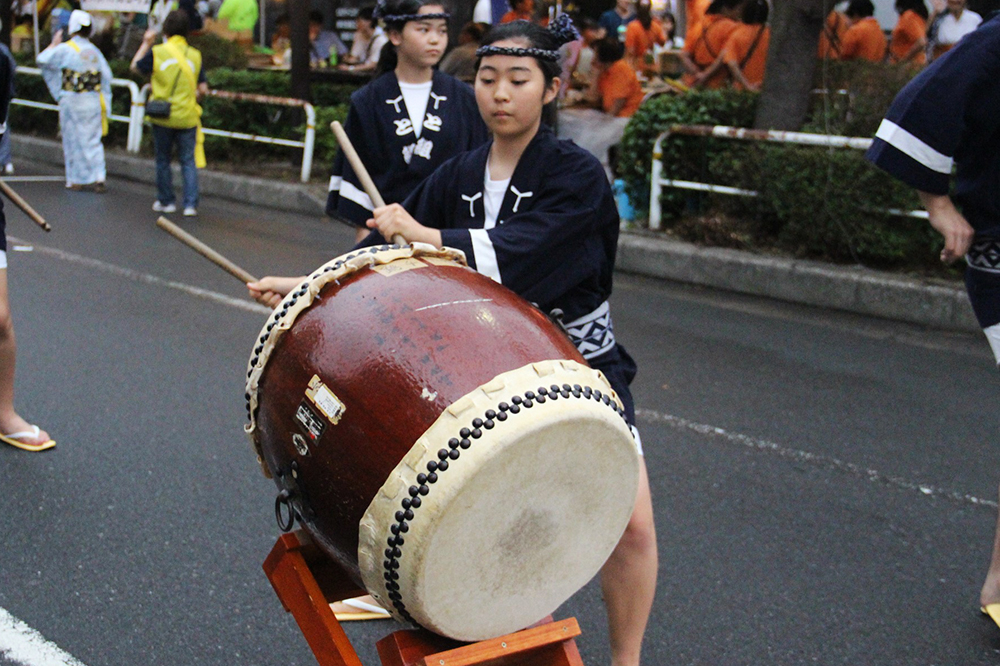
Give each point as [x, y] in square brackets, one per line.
[950, 223]
[270, 290]
[709, 72]
[688, 63]
[148, 38]
[737, 75]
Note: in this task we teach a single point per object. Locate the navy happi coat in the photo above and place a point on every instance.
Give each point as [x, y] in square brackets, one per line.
[379, 126]
[947, 118]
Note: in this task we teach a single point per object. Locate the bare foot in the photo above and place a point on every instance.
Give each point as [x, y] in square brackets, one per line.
[990, 594]
[15, 424]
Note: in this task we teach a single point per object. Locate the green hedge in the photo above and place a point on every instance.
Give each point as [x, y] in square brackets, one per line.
[813, 202]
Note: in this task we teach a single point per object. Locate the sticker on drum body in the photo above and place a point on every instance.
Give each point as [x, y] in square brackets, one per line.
[442, 261]
[310, 421]
[399, 266]
[324, 399]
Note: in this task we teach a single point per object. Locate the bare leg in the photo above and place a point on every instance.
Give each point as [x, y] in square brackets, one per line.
[10, 422]
[628, 580]
[990, 593]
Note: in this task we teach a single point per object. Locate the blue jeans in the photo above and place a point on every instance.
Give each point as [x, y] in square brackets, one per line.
[163, 142]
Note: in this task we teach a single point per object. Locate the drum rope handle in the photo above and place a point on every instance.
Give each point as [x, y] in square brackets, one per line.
[284, 498]
[362, 173]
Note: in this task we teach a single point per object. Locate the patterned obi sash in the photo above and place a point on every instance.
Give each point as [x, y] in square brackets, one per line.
[984, 255]
[593, 334]
[74, 81]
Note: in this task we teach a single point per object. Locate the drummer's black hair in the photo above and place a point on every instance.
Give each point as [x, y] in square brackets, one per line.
[540, 43]
[387, 10]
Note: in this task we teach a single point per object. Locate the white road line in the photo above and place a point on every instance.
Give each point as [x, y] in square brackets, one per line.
[191, 290]
[813, 459]
[33, 179]
[23, 645]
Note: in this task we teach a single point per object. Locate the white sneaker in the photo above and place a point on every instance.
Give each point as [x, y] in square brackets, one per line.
[190, 211]
[8, 168]
[164, 208]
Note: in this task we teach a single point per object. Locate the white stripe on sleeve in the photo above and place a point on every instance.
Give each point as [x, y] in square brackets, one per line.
[485, 254]
[335, 182]
[899, 138]
[993, 336]
[351, 193]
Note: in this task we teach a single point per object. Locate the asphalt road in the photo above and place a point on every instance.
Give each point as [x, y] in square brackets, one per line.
[825, 485]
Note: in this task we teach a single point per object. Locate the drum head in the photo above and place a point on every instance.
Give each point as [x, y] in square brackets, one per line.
[516, 523]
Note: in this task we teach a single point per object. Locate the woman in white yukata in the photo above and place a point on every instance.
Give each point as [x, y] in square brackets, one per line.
[79, 79]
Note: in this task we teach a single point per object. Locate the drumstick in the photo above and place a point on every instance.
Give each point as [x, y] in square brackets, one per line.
[362, 173]
[204, 250]
[18, 201]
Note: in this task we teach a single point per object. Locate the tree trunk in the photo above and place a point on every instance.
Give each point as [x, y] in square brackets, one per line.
[791, 63]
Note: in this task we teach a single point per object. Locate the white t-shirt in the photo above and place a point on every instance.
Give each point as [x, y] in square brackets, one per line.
[369, 51]
[415, 96]
[951, 29]
[494, 192]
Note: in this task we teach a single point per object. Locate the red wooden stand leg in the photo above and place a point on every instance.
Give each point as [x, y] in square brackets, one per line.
[306, 582]
[300, 593]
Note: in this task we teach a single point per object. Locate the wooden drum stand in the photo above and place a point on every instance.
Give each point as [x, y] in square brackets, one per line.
[307, 582]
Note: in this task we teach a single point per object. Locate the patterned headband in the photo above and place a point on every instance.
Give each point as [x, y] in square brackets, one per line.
[562, 29]
[541, 54]
[404, 18]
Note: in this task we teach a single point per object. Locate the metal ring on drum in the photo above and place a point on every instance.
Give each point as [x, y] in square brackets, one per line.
[441, 439]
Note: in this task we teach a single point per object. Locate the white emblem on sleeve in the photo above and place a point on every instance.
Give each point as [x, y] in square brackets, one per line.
[433, 122]
[520, 195]
[403, 127]
[437, 100]
[472, 202]
[395, 103]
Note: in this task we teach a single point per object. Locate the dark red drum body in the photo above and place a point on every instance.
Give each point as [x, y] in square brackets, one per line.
[366, 393]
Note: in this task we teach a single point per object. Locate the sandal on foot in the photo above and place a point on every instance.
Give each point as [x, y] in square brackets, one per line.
[14, 439]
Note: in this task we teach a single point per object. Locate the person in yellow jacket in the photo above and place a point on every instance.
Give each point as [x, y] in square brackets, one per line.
[177, 77]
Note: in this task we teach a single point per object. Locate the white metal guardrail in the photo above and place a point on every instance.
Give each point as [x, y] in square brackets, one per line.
[137, 115]
[658, 182]
[308, 144]
[136, 109]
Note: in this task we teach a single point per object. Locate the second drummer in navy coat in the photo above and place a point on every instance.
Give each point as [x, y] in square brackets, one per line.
[409, 120]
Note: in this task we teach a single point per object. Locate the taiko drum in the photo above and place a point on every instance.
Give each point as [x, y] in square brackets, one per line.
[441, 439]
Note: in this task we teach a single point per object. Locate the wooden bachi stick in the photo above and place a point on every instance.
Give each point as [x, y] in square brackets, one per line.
[204, 250]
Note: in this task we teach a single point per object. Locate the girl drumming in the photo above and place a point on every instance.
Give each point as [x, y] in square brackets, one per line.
[536, 214]
[408, 121]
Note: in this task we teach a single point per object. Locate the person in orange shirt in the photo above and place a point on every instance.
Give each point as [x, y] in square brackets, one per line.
[745, 54]
[864, 39]
[694, 13]
[909, 37]
[832, 35]
[720, 20]
[520, 10]
[640, 35]
[616, 88]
